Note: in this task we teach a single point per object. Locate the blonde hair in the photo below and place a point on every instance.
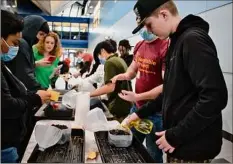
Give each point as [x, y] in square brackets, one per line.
[57, 46]
[170, 6]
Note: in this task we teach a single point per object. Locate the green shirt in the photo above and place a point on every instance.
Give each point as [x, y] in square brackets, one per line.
[43, 73]
[113, 66]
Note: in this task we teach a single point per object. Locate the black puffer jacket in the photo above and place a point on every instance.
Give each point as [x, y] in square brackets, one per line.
[194, 93]
[16, 102]
[23, 65]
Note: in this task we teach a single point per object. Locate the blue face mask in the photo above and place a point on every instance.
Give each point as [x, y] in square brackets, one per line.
[79, 60]
[102, 61]
[11, 54]
[148, 36]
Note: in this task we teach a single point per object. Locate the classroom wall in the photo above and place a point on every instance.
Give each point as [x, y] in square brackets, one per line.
[217, 13]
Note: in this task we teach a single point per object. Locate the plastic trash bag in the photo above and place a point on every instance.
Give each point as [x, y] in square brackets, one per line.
[47, 136]
[69, 99]
[96, 121]
[74, 82]
[50, 135]
[60, 83]
[83, 85]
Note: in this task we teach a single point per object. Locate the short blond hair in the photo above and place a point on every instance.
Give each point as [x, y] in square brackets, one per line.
[170, 6]
[57, 47]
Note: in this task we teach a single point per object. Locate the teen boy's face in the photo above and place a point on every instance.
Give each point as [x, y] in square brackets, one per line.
[159, 24]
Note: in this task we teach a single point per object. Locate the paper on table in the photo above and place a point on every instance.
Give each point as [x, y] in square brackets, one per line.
[54, 95]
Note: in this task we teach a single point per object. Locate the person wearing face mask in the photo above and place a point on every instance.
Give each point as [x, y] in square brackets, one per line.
[48, 49]
[113, 65]
[194, 92]
[86, 60]
[148, 68]
[16, 99]
[96, 75]
[124, 48]
[35, 28]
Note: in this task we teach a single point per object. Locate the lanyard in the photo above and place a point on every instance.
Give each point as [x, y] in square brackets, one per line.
[16, 78]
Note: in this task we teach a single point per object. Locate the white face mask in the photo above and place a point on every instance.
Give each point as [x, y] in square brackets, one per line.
[79, 60]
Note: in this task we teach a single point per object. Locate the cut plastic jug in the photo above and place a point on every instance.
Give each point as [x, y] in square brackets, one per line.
[120, 140]
[96, 121]
[66, 131]
[47, 136]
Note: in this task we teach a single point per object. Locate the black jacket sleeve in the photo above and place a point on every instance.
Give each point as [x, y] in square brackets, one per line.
[201, 62]
[150, 108]
[15, 107]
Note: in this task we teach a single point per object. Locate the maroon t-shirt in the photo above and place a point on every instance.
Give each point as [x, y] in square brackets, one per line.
[150, 59]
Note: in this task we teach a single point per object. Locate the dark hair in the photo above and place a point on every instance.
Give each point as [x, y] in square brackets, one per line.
[109, 45]
[79, 52]
[45, 28]
[10, 24]
[125, 43]
[114, 44]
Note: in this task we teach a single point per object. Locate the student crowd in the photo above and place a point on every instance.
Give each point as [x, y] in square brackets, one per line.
[179, 83]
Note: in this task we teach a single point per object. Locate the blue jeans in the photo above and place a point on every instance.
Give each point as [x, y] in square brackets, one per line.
[152, 148]
[9, 155]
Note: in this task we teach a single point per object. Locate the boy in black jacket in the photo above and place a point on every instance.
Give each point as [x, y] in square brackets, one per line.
[194, 92]
[15, 98]
[35, 28]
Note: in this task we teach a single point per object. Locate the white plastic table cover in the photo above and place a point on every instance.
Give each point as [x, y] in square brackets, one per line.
[90, 143]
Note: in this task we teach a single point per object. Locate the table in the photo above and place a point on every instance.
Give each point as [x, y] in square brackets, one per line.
[90, 143]
[39, 115]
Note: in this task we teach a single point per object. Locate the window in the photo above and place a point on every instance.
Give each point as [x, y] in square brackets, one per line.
[50, 25]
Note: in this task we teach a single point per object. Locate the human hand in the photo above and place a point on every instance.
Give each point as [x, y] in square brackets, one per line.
[162, 142]
[44, 95]
[76, 75]
[43, 63]
[128, 96]
[126, 122]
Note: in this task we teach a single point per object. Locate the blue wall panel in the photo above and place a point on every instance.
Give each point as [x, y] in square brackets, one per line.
[74, 43]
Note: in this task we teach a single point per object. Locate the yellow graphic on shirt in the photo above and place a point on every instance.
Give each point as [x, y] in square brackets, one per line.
[144, 64]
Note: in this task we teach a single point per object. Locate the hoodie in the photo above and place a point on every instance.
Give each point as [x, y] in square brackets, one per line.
[194, 93]
[23, 65]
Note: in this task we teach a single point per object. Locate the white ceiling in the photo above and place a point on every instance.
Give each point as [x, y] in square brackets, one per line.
[54, 7]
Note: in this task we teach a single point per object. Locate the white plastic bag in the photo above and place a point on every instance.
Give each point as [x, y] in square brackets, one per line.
[97, 121]
[69, 99]
[50, 135]
[74, 82]
[60, 84]
[66, 132]
[47, 136]
[86, 86]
